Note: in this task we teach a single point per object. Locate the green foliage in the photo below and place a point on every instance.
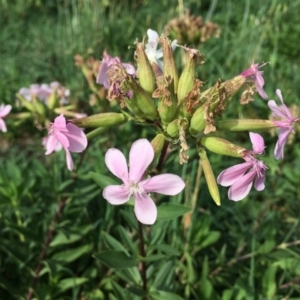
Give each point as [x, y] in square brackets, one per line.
[244, 250]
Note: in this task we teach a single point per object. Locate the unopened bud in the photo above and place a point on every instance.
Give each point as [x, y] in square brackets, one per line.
[186, 80]
[158, 144]
[169, 63]
[197, 121]
[244, 125]
[53, 100]
[26, 103]
[210, 177]
[143, 100]
[145, 71]
[222, 147]
[173, 128]
[101, 120]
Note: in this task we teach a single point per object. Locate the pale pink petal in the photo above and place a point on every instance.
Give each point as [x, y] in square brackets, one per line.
[259, 79]
[69, 159]
[283, 134]
[167, 184]
[60, 123]
[234, 173]
[76, 137]
[3, 126]
[116, 163]
[152, 40]
[129, 68]
[102, 77]
[286, 110]
[258, 144]
[5, 110]
[116, 194]
[261, 91]
[241, 188]
[62, 139]
[140, 156]
[51, 144]
[145, 209]
[259, 183]
[276, 110]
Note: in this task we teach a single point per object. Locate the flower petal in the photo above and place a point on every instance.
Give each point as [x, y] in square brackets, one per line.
[69, 160]
[283, 134]
[116, 194]
[259, 183]
[140, 156]
[287, 112]
[3, 126]
[145, 209]
[60, 123]
[258, 144]
[241, 188]
[116, 163]
[5, 110]
[230, 175]
[277, 112]
[102, 77]
[51, 144]
[166, 184]
[77, 138]
[62, 138]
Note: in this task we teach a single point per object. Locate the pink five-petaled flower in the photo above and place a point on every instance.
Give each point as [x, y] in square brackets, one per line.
[255, 76]
[107, 63]
[285, 125]
[4, 111]
[134, 184]
[68, 135]
[240, 177]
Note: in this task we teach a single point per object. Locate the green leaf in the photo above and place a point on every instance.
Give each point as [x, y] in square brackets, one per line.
[169, 211]
[116, 259]
[269, 282]
[162, 295]
[71, 255]
[166, 249]
[112, 243]
[69, 283]
[102, 180]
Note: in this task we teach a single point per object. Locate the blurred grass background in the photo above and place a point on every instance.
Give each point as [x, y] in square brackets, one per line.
[233, 252]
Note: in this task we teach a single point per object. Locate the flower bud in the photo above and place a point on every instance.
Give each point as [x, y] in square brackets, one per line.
[197, 121]
[157, 144]
[26, 103]
[244, 124]
[143, 100]
[169, 63]
[101, 120]
[222, 147]
[145, 71]
[210, 177]
[187, 77]
[173, 128]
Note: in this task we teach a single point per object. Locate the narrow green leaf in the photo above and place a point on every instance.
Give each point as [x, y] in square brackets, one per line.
[116, 259]
[169, 211]
[102, 180]
[71, 255]
[162, 295]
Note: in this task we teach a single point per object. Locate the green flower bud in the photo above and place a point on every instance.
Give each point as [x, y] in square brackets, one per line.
[169, 63]
[197, 121]
[187, 77]
[145, 71]
[173, 128]
[210, 177]
[222, 147]
[26, 103]
[143, 100]
[244, 124]
[101, 120]
[158, 144]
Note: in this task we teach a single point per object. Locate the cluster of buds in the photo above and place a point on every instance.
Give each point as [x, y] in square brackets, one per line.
[189, 29]
[185, 113]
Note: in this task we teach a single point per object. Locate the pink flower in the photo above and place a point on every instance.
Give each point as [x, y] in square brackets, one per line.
[240, 177]
[68, 135]
[255, 75]
[285, 125]
[4, 111]
[107, 63]
[134, 182]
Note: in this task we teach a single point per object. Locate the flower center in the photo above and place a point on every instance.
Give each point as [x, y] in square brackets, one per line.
[134, 188]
